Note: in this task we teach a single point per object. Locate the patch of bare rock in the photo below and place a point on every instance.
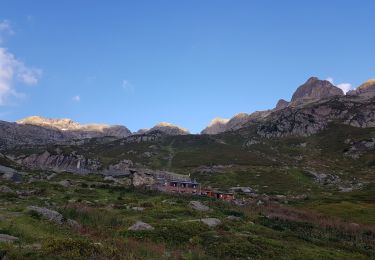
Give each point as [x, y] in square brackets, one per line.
[199, 206]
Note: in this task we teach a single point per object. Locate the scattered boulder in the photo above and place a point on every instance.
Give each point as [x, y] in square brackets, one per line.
[49, 177]
[211, 222]
[233, 218]
[197, 205]
[7, 238]
[138, 208]
[10, 174]
[139, 226]
[65, 183]
[51, 215]
[5, 189]
[109, 178]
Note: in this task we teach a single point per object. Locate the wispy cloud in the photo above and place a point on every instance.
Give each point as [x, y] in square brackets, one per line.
[5, 28]
[76, 98]
[127, 85]
[12, 70]
[345, 87]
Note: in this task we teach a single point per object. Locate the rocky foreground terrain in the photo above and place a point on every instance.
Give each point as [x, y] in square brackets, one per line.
[302, 173]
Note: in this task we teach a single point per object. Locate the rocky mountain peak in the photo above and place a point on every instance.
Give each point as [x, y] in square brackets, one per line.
[169, 129]
[217, 125]
[62, 124]
[366, 89]
[75, 129]
[315, 89]
[281, 104]
[368, 86]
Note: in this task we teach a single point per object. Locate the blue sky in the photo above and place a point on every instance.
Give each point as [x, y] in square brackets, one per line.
[137, 63]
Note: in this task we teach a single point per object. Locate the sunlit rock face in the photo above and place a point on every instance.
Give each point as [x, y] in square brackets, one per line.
[75, 129]
[315, 89]
[366, 89]
[168, 129]
[217, 125]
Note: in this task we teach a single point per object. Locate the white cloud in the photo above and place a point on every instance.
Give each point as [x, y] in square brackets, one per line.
[12, 70]
[127, 85]
[76, 98]
[343, 86]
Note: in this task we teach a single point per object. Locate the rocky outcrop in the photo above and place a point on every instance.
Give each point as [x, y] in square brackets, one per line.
[216, 126]
[358, 148]
[314, 89]
[58, 162]
[314, 117]
[168, 129]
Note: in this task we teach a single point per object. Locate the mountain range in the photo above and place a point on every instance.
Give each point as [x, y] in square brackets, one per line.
[313, 105]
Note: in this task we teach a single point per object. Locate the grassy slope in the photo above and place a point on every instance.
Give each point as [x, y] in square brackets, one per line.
[105, 215]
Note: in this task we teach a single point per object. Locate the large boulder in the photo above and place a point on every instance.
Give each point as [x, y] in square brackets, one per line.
[7, 238]
[48, 214]
[140, 226]
[10, 174]
[211, 222]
